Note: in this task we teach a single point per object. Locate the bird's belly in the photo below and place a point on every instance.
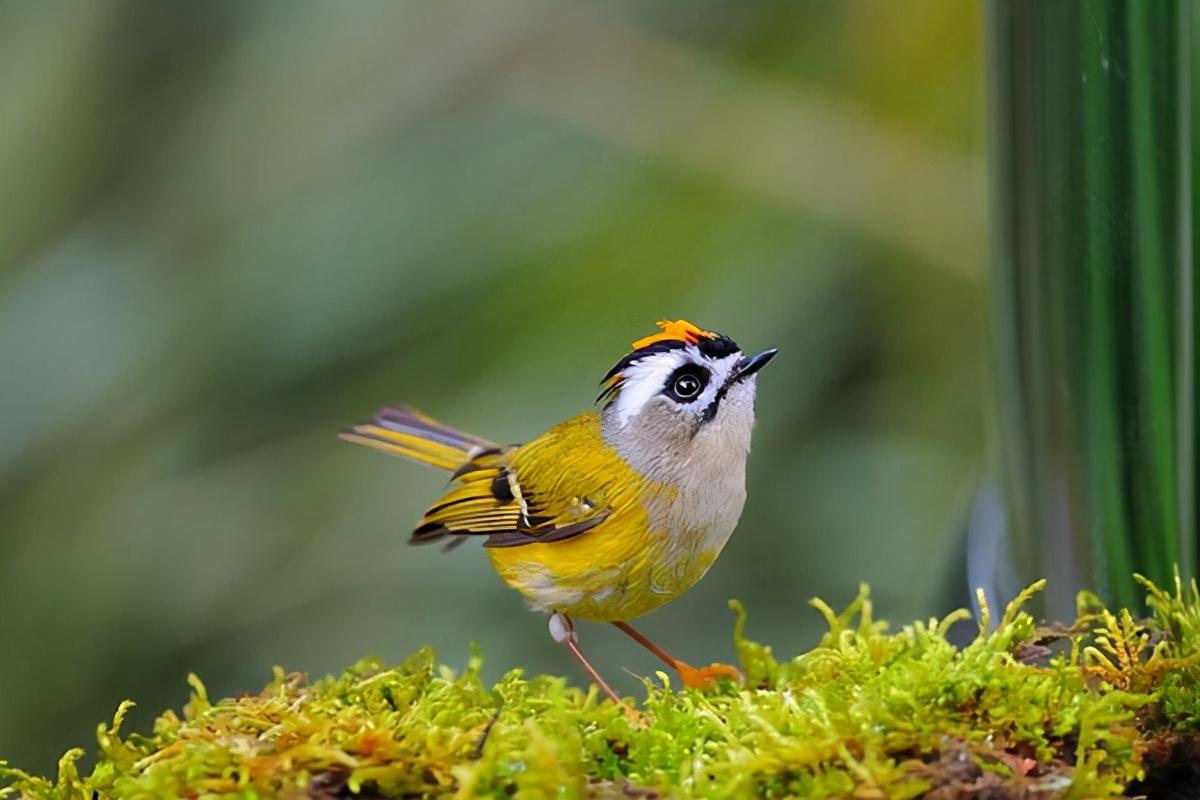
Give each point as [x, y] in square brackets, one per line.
[610, 575]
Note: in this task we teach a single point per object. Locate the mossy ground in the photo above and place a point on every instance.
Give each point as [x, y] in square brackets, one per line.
[1110, 705]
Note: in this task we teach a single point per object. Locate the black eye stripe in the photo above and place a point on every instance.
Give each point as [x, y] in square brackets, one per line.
[686, 383]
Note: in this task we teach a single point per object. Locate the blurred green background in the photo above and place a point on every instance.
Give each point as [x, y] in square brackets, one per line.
[227, 230]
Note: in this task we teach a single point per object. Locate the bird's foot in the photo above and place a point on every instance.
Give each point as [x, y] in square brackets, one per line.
[637, 720]
[706, 677]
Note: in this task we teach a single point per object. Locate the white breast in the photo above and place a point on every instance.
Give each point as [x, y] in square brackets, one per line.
[712, 492]
[708, 469]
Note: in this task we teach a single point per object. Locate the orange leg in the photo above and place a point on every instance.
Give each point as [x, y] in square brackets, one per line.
[563, 631]
[692, 677]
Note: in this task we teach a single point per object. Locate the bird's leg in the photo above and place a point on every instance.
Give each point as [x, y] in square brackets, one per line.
[692, 677]
[563, 632]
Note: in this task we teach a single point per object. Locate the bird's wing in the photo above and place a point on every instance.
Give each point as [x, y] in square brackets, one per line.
[547, 491]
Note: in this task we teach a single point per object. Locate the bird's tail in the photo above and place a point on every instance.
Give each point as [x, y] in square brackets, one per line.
[406, 432]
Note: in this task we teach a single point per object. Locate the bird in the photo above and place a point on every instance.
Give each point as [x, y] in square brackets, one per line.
[614, 512]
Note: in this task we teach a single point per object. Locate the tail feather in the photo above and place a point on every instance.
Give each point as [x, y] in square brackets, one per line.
[408, 433]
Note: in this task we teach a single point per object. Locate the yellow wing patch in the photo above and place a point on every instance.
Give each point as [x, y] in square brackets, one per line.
[490, 500]
[562, 484]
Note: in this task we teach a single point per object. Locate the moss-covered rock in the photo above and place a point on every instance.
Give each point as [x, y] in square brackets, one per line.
[1110, 705]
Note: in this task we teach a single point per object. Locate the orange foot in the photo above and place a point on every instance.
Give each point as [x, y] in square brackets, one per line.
[706, 677]
[637, 719]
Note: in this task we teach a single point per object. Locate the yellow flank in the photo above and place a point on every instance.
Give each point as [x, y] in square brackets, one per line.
[618, 570]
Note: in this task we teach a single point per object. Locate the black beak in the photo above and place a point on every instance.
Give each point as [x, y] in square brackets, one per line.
[751, 365]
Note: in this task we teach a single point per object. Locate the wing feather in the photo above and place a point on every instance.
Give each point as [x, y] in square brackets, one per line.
[513, 501]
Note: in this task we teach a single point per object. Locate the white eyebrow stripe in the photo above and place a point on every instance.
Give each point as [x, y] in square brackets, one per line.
[646, 377]
[642, 380]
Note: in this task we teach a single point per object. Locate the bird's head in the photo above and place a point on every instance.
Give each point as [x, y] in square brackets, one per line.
[680, 390]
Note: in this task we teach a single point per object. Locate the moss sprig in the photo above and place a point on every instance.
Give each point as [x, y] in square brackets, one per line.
[1021, 710]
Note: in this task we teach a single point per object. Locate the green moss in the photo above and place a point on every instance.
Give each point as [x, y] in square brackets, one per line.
[1020, 711]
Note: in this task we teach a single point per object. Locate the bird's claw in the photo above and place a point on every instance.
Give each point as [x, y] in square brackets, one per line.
[707, 677]
[636, 718]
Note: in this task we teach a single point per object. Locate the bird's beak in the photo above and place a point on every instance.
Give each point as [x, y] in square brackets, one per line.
[751, 365]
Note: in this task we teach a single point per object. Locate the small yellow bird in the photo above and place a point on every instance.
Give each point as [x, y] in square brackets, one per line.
[612, 513]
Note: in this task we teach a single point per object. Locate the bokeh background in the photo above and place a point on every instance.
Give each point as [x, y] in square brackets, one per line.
[227, 230]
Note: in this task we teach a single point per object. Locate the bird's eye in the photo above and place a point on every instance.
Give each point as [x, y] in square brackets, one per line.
[686, 383]
[687, 386]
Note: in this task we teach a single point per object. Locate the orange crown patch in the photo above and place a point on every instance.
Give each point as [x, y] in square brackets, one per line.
[678, 331]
